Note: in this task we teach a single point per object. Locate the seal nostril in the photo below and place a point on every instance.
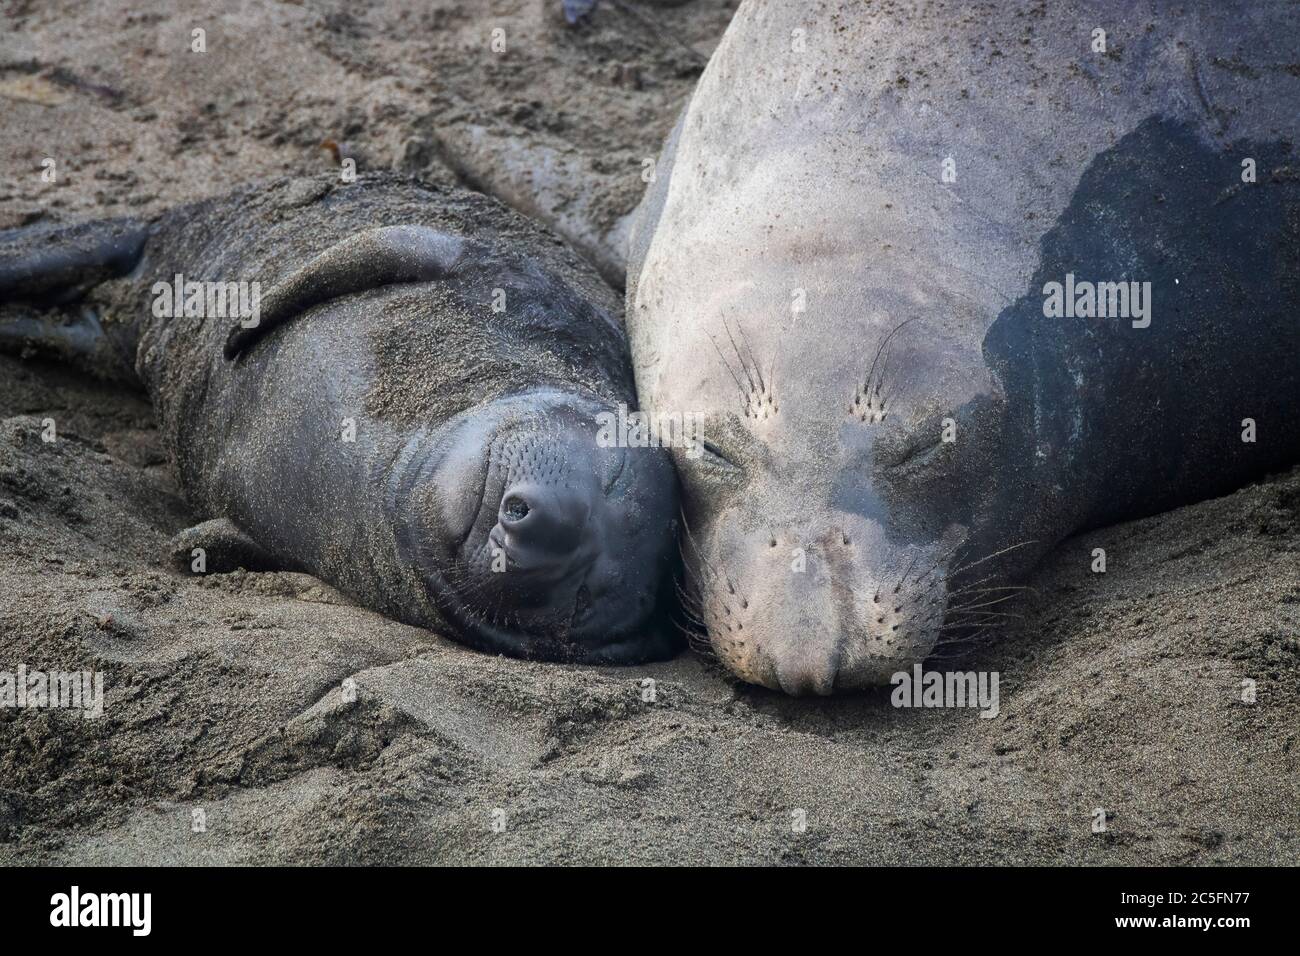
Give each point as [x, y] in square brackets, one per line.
[515, 508]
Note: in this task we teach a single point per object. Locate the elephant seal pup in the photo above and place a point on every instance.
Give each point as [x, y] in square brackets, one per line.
[947, 288]
[395, 387]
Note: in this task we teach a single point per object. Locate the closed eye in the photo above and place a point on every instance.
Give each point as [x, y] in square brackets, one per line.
[712, 456]
[919, 453]
[729, 452]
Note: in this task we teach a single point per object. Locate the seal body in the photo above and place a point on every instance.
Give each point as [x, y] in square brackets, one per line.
[947, 289]
[400, 391]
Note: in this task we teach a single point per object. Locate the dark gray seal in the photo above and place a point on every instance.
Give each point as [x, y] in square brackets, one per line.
[407, 405]
[855, 261]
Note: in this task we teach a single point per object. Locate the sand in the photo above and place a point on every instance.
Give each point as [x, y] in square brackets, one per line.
[308, 730]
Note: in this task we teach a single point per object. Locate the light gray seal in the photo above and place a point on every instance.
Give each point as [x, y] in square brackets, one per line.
[950, 284]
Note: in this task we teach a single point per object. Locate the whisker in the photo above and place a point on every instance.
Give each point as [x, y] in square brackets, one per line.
[726, 327]
[744, 396]
[697, 641]
[690, 536]
[995, 554]
[973, 584]
[883, 344]
[971, 636]
[911, 564]
[980, 617]
[689, 604]
[973, 607]
[937, 562]
[757, 371]
[1018, 588]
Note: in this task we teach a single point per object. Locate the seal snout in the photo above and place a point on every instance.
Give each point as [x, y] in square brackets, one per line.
[806, 676]
[816, 606]
[543, 528]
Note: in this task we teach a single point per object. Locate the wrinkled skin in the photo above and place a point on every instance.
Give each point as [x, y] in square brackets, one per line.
[896, 432]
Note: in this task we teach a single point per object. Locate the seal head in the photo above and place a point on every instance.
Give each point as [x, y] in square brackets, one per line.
[533, 539]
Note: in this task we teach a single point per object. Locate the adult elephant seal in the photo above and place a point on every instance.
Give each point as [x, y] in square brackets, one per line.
[410, 410]
[854, 263]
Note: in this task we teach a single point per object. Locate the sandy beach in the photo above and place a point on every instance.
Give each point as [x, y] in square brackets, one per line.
[265, 718]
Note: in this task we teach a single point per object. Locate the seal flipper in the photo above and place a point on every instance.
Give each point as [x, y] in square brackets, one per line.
[54, 265]
[375, 257]
[224, 547]
[71, 336]
[45, 272]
